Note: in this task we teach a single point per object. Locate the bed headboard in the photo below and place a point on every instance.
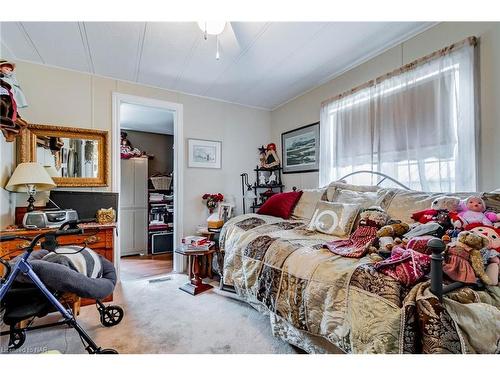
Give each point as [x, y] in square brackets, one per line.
[383, 175]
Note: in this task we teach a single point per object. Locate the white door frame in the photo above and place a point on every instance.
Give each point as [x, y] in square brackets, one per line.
[177, 110]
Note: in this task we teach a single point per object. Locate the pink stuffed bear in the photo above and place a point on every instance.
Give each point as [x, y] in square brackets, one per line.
[471, 211]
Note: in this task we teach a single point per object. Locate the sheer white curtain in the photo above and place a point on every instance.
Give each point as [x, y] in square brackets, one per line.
[418, 126]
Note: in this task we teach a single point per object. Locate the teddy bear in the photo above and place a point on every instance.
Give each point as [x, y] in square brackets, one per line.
[463, 260]
[390, 235]
[491, 254]
[440, 211]
[451, 204]
[472, 210]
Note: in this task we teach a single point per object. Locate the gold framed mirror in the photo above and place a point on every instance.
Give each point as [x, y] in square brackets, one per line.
[74, 157]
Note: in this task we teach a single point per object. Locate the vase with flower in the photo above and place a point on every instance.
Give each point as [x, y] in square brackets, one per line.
[212, 200]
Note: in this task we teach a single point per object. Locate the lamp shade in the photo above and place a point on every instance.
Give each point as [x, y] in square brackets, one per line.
[30, 174]
[250, 194]
[52, 171]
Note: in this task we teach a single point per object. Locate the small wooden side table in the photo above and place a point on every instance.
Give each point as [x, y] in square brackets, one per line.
[196, 286]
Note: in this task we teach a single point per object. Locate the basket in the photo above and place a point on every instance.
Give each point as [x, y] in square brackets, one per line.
[161, 182]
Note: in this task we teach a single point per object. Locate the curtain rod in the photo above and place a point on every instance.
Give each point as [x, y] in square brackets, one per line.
[472, 40]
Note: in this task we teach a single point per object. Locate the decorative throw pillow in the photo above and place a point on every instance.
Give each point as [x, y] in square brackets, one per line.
[364, 199]
[307, 203]
[280, 205]
[334, 218]
[333, 188]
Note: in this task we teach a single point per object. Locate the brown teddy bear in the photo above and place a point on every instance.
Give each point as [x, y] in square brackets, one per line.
[463, 260]
[390, 235]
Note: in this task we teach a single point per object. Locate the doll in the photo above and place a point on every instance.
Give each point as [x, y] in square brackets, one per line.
[463, 261]
[127, 151]
[473, 211]
[361, 240]
[7, 70]
[11, 98]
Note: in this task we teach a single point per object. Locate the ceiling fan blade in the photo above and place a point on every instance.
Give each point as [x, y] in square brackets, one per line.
[228, 38]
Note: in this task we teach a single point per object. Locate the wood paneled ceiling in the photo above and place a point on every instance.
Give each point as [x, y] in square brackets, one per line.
[261, 64]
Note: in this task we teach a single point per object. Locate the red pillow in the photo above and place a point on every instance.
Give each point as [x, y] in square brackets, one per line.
[280, 205]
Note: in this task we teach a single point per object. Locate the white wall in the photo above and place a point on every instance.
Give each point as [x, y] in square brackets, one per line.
[306, 108]
[67, 98]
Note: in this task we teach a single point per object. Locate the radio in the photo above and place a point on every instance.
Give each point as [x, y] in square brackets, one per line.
[48, 219]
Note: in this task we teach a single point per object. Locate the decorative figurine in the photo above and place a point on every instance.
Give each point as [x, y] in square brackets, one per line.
[262, 179]
[272, 179]
[262, 155]
[271, 159]
[106, 215]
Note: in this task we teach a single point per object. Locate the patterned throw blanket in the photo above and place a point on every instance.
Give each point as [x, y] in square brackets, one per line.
[315, 297]
[85, 261]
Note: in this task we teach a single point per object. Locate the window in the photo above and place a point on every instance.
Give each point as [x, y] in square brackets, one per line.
[417, 126]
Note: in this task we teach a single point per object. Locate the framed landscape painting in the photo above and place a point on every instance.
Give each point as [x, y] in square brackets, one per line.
[204, 154]
[300, 149]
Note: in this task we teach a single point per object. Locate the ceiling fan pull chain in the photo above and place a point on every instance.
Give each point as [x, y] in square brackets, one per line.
[217, 55]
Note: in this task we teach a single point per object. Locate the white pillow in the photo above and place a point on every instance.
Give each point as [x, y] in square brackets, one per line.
[334, 218]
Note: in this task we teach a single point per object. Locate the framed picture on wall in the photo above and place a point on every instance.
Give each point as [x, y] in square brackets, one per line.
[204, 153]
[300, 149]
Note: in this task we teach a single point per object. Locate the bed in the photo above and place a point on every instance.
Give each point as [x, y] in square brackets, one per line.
[326, 303]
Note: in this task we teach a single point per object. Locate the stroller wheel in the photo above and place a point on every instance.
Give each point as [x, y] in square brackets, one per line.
[111, 315]
[16, 339]
[107, 351]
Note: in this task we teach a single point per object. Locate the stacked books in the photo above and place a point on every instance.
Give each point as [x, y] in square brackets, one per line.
[205, 246]
[195, 240]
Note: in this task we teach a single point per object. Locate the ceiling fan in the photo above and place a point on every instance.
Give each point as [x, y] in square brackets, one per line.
[214, 28]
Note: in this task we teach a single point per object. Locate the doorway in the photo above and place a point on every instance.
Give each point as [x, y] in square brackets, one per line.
[147, 172]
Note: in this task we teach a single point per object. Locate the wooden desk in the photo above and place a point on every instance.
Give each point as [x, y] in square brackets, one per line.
[99, 238]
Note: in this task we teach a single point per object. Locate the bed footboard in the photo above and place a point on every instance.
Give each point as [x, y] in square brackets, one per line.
[437, 247]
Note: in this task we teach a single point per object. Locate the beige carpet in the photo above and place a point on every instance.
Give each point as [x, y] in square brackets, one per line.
[160, 318]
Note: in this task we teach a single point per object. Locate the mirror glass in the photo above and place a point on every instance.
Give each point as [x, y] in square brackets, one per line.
[69, 157]
[73, 157]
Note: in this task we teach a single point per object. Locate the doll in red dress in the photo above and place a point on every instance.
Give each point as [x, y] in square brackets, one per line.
[463, 261]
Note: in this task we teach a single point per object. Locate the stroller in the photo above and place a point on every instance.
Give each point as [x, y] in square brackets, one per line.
[26, 301]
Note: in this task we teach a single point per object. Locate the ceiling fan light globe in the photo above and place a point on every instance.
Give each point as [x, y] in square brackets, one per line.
[212, 27]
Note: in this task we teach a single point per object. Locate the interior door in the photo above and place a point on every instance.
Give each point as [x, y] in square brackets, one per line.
[133, 206]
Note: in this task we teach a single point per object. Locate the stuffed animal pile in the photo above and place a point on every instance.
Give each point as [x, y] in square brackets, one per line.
[400, 250]
[472, 235]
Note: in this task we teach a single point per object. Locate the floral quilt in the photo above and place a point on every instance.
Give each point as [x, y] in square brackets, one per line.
[318, 300]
